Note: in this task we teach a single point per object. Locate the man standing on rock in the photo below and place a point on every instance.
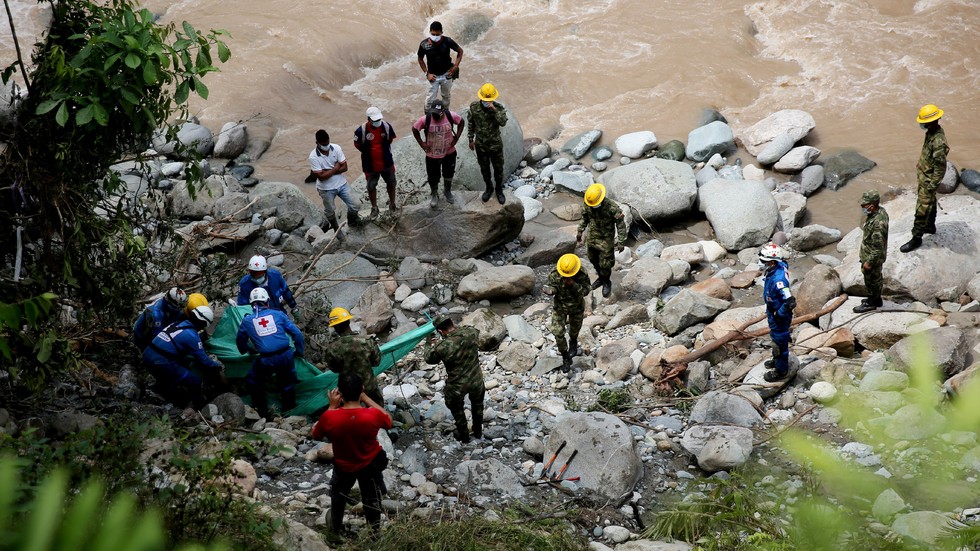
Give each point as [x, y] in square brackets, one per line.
[442, 131]
[780, 303]
[929, 173]
[328, 164]
[373, 140]
[353, 354]
[607, 235]
[874, 247]
[464, 377]
[358, 457]
[440, 71]
[486, 119]
[270, 279]
[570, 285]
[266, 332]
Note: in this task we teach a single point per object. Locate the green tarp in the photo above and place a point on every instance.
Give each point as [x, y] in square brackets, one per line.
[311, 392]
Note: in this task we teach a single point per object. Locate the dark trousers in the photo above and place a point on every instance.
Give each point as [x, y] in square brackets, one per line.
[370, 480]
[178, 385]
[491, 159]
[780, 352]
[454, 401]
[602, 260]
[925, 211]
[874, 282]
[283, 369]
[444, 167]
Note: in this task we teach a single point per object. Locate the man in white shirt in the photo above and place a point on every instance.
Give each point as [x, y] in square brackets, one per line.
[328, 163]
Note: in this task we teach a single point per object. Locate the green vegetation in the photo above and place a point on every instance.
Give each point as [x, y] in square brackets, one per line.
[613, 401]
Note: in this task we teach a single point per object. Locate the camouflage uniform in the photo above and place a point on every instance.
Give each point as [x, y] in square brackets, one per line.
[929, 173]
[608, 230]
[569, 305]
[464, 377]
[350, 354]
[485, 125]
[874, 246]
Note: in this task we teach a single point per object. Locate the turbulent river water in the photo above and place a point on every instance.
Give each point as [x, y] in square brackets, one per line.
[861, 67]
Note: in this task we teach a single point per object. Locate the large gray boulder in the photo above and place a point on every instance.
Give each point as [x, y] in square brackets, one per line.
[343, 279]
[489, 475]
[579, 145]
[721, 408]
[812, 237]
[282, 198]
[796, 159]
[648, 276]
[190, 135]
[792, 207]
[792, 122]
[940, 269]
[705, 141]
[687, 308]
[606, 462]
[654, 189]
[718, 447]
[374, 309]
[490, 326]
[945, 348]
[636, 144]
[844, 167]
[466, 229]
[410, 160]
[820, 285]
[924, 526]
[203, 203]
[880, 330]
[549, 246]
[498, 282]
[231, 141]
[779, 146]
[743, 213]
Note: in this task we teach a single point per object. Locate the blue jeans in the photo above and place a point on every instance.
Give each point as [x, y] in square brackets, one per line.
[328, 196]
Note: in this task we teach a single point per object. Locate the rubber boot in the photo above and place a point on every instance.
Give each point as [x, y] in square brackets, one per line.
[461, 433]
[478, 425]
[573, 348]
[487, 192]
[391, 197]
[259, 402]
[434, 200]
[499, 190]
[373, 196]
[353, 218]
[597, 283]
[447, 185]
[333, 224]
[606, 287]
[566, 361]
[931, 230]
[912, 245]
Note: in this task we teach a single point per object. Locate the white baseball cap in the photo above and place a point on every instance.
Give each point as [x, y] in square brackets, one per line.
[374, 113]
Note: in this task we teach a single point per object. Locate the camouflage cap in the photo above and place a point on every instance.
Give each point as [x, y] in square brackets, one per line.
[870, 197]
[442, 321]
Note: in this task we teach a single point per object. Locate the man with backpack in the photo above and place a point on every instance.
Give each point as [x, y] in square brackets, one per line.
[443, 129]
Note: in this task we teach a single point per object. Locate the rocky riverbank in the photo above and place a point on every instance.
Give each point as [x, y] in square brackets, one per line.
[673, 294]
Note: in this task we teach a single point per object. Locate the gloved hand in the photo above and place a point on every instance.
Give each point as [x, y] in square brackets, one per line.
[297, 314]
[786, 310]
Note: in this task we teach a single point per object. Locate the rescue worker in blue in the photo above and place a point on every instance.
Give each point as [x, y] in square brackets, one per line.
[261, 275]
[780, 303]
[266, 333]
[173, 351]
[158, 315]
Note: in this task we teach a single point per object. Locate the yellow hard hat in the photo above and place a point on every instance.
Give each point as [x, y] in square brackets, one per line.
[595, 194]
[488, 92]
[929, 113]
[339, 315]
[193, 301]
[568, 265]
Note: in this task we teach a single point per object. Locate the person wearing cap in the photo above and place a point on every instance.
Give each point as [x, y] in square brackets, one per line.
[607, 234]
[261, 275]
[353, 354]
[328, 164]
[440, 71]
[460, 353]
[164, 311]
[267, 334]
[874, 247]
[373, 139]
[442, 129]
[780, 303]
[486, 118]
[929, 174]
[173, 353]
[570, 286]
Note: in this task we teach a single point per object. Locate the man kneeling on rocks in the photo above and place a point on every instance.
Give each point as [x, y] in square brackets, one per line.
[571, 286]
[358, 457]
[780, 303]
[464, 377]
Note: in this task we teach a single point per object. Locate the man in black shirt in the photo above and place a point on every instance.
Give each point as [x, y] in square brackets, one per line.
[440, 71]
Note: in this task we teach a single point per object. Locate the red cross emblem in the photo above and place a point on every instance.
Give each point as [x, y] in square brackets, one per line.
[264, 323]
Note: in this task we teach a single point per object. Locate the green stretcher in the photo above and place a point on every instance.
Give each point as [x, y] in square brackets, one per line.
[311, 392]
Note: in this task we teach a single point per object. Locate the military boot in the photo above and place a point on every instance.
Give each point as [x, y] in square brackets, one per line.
[573, 348]
[373, 195]
[461, 433]
[865, 306]
[478, 425]
[447, 185]
[499, 190]
[434, 200]
[566, 361]
[912, 245]
[334, 225]
[606, 287]
[487, 193]
[597, 283]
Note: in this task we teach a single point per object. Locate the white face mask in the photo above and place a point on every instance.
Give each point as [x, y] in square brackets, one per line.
[376, 124]
[487, 103]
[867, 211]
[324, 147]
[435, 37]
[259, 280]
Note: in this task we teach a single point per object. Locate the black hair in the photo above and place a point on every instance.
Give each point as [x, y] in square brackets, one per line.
[435, 26]
[322, 136]
[350, 386]
[445, 324]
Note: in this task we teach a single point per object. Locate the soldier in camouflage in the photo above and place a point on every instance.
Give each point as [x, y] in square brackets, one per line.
[929, 173]
[607, 235]
[874, 246]
[459, 352]
[486, 118]
[352, 354]
[571, 286]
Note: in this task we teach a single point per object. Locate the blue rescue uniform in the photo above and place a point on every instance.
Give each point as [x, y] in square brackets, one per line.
[779, 312]
[275, 284]
[153, 319]
[169, 357]
[266, 332]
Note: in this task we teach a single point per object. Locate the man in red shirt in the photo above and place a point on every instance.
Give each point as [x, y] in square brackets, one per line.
[358, 457]
[373, 139]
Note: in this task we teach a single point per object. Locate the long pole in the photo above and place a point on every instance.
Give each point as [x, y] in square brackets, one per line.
[20, 58]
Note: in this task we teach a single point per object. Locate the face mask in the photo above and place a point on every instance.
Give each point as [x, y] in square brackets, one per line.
[376, 124]
[324, 147]
[487, 103]
[867, 211]
[435, 37]
[923, 126]
[437, 116]
[259, 280]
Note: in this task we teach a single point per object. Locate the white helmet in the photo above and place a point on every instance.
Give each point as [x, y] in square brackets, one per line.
[258, 294]
[176, 297]
[202, 316]
[257, 264]
[771, 252]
